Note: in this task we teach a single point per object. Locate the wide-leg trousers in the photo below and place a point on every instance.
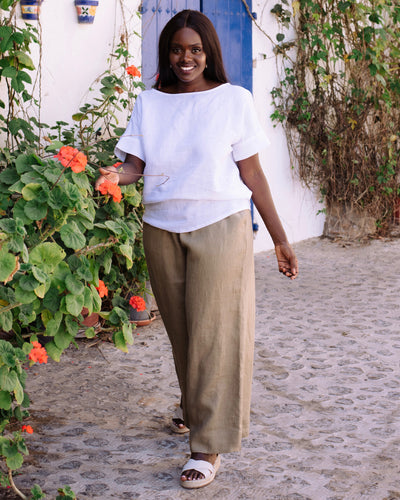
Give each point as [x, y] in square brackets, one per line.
[203, 282]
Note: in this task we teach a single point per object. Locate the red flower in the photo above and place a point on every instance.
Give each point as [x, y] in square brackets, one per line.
[137, 303]
[27, 428]
[116, 165]
[133, 71]
[102, 289]
[108, 187]
[38, 353]
[71, 157]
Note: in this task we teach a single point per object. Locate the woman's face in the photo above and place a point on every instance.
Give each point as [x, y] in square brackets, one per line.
[187, 57]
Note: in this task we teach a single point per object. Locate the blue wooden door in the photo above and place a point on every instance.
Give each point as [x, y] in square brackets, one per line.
[233, 25]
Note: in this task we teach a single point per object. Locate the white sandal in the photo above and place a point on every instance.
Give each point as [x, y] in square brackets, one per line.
[206, 468]
[177, 420]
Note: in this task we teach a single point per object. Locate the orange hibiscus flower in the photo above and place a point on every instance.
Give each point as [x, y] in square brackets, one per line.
[133, 71]
[38, 353]
[71, 157]
[27, 428]
[102, 289]
[137, 303]
[108, 187]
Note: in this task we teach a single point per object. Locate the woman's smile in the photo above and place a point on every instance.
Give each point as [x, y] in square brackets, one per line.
[187, 57]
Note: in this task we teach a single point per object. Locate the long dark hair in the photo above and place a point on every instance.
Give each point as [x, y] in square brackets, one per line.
[200, 23]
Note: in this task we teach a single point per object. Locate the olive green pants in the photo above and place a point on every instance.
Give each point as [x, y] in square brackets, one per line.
[203, 282]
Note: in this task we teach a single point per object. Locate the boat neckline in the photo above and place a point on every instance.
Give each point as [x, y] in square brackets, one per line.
[193, 93]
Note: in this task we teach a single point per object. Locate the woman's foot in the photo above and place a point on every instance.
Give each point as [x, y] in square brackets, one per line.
[193, 474]
[178, 424]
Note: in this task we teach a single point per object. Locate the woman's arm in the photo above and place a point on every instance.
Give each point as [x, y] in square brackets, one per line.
[127, 173]
[253, 176]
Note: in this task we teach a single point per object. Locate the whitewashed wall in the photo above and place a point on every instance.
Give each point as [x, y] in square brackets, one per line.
[297, 206]
[74, 56]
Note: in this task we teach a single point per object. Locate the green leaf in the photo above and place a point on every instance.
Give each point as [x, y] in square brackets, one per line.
[9, 176]
[24, 59]
[9, 72]
[58, 199]
[96, 299]
[23, 296]
[42, 289]
[280, 37]
[51, 300]
[8, 225]
[75, 286]
[126, 251]
[28, 283]
[90, 332]
[47, 256]
[35, 210]
[54, 324]
[18, 392]
[71, 325]
[15, 462]
[8, 264]
[5, 400]
[8, 379]
[40, 275]
[53, 351]
[19, 212]
[127, 332]
[31, 191]
[63, 339]
[119, 341]
[72, 236]
[6, 321]
[87, 299]
[74, 304]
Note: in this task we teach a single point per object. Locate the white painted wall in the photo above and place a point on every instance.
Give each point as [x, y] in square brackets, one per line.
[296, 205]
[73, 56]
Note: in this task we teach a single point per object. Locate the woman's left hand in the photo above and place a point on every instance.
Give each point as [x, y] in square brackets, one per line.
[287, 261]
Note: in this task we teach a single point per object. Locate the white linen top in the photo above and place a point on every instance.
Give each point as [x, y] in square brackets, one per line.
[190, 143]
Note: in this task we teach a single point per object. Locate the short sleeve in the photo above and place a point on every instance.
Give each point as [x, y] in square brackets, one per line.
[252, 138]
[131, 141]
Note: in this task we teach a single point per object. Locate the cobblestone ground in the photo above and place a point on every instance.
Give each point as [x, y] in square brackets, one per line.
[325, 414]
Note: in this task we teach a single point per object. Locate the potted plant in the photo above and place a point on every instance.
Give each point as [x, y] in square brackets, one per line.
[86, 10]
[30, 9]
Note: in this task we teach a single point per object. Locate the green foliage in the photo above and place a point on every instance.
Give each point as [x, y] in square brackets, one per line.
[339, 99]
[58, 237]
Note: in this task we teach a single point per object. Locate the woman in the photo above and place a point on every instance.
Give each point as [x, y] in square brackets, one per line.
[196, 139]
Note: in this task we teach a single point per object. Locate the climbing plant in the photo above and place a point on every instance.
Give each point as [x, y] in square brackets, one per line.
[339, 99]
[65, 249]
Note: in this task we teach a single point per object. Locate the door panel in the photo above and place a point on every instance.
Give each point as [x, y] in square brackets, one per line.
[233, 25]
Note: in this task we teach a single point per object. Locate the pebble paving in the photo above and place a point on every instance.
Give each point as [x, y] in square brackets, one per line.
[326, 395]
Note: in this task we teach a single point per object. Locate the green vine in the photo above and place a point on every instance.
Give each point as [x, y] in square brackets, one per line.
[339, 100]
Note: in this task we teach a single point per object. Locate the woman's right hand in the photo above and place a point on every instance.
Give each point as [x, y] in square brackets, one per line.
[109, 174]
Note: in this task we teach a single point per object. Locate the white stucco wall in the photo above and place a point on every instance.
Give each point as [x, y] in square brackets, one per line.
[74, 56]
[296, 206]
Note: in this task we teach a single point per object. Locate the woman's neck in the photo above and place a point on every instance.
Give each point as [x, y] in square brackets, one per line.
[182, 88]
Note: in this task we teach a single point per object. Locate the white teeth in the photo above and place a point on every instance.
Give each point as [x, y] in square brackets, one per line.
[187, 68]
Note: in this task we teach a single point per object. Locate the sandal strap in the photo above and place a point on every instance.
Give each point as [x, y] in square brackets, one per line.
[202, 466]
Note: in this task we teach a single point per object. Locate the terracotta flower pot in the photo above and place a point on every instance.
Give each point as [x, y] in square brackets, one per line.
[30, 9]
[86, 10]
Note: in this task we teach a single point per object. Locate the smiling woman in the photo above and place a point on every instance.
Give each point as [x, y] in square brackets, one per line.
[203, 134]
[188, 59]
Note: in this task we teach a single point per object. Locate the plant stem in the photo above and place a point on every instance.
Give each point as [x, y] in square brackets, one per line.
[9, 307]
[112, 241]
[19, 493]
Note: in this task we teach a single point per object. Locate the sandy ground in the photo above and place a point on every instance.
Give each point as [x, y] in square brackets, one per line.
[326, 394]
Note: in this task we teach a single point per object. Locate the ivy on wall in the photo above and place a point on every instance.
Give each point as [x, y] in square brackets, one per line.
[339, 99]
